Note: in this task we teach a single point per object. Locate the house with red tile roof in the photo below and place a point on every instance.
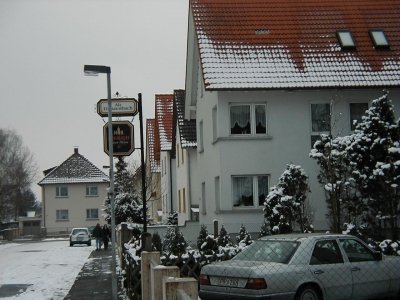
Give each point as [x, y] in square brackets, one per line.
[164, 108]
[153, 173]
[184, 139]
[265, 78]
[73, 195]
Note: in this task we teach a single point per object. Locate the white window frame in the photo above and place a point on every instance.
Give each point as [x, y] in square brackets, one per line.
[253, 125]
[59, 191]
[89, 191]
[62, 215]
[254, 178]
[89, 213]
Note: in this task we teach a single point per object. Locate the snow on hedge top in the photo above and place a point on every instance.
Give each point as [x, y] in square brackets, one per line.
[293, 44]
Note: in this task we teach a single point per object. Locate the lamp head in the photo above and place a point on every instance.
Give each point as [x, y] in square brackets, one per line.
[94, 70]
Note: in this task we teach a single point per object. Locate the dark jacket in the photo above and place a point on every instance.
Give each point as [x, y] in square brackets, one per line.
[97, 232]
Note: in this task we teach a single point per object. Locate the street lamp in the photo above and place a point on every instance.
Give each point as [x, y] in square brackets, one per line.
[94, 70]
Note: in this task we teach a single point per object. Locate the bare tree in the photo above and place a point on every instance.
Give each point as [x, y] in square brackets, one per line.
[17, 172]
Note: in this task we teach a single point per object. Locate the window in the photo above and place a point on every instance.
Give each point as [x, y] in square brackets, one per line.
[248, 119]
[214, 120]
[62, 215]
[201, 144]
[379, 38]
[184, 200]
[203, 198]
[320, 120]
[346, 40]
[326, 252]
[249, 191]
[356, 251]
[61, 191]
[357, 110]
[92, 191]
[92, 213]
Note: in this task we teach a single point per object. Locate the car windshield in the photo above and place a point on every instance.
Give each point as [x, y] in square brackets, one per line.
[82, 230]
[268, 251]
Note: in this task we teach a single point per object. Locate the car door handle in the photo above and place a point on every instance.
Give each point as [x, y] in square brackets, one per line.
[354, 269]
[317, 272]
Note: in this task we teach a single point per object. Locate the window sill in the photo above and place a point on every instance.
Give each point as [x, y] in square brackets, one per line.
[91, 219]
[242, 137]
[92, 196]
[62, 197]
[63, 220]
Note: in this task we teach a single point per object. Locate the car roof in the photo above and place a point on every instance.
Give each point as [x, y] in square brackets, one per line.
[302, 236]
[80, 228]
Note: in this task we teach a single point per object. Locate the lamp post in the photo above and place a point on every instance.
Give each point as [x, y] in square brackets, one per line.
[95, 70]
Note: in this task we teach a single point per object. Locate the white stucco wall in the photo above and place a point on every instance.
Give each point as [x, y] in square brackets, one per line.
[288, 141]
[76, 203]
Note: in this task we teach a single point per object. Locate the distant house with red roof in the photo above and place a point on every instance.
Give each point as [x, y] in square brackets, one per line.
[153, 173]
[164, 108]
[73, 195]
[265, 78]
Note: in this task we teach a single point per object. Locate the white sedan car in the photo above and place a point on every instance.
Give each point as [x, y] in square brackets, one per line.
[303, 266]
[80, 236]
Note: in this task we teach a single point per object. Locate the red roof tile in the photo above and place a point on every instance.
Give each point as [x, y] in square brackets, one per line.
[293, 43]
[164, 120]
[152, 146]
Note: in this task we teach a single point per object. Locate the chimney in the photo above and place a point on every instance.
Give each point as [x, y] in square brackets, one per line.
[76, 150]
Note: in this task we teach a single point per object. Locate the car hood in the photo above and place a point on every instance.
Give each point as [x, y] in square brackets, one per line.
[244, 268]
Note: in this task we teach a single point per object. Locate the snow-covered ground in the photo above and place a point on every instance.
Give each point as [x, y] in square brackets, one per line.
[49, 268]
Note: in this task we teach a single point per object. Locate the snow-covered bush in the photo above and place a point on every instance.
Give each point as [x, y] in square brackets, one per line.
[174, 241]
[223, 239]
[172, 218]
[244, 238]
[156, 242]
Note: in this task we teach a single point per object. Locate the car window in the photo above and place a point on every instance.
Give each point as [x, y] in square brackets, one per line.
[356, 251]
[268, 251]
[326, 252]
[76, 231]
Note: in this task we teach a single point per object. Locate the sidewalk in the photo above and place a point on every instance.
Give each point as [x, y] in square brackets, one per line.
[94, 280]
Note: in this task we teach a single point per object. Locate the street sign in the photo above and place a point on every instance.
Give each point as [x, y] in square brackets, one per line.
[123, 138]
[119, 107]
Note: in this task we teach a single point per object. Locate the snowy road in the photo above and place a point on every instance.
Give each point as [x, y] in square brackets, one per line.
[42, 270]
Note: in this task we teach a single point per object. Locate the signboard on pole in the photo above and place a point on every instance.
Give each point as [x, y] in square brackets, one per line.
[123, 138]
[119, 107]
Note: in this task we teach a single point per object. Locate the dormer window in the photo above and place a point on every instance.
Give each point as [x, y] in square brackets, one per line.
[379, 38]
[346, 39]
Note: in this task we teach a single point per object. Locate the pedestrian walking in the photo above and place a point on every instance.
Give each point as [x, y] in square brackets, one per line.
[98, 235]
[106, 236]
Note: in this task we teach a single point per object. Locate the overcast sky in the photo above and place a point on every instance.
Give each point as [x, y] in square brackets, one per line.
[44, 44]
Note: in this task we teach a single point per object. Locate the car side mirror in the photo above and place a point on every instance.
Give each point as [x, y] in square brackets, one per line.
[378, 256]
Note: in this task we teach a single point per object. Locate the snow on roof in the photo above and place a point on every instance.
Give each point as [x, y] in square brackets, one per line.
[153, 146]
[75, 169]
[164, 120]
[293, 44]
[187, 128]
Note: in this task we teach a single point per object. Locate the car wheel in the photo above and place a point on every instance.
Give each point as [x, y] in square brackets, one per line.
[71, 244]
[308, 292]
[89, 243]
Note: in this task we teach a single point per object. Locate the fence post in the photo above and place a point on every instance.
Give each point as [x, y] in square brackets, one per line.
[147, 258]
[157, 274]
[186, 285]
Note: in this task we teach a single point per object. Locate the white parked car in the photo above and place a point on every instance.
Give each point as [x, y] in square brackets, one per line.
[80, 236]
[303, 266]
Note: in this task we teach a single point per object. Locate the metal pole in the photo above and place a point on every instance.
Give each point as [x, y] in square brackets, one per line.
[143, 166]
[111, 154]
